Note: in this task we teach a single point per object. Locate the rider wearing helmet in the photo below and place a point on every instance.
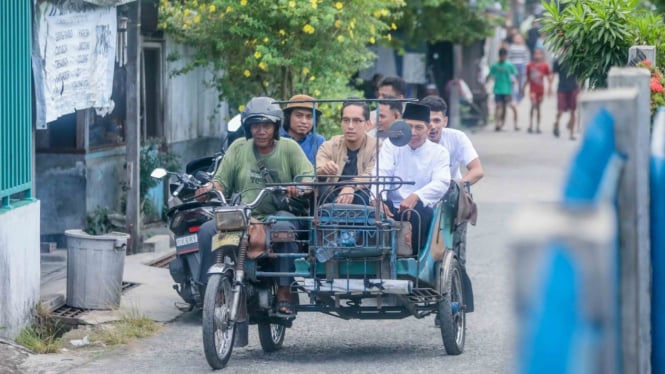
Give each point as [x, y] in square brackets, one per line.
[262, 157]
[299, 122]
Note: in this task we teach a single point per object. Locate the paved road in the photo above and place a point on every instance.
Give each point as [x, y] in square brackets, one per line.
[520, 168]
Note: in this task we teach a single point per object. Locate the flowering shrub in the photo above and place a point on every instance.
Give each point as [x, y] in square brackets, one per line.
[657, 85]
[279, 48]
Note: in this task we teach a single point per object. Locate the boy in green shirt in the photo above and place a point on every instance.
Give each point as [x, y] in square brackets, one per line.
[503, 73]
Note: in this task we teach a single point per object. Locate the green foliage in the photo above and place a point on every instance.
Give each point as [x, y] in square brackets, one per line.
[98, 222]
[430, 21]
[594, 35]
[279, 48]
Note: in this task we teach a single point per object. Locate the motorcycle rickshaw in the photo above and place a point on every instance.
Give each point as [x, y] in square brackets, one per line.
[354, 263]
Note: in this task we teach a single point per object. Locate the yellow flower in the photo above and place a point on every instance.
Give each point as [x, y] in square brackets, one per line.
[340, 38]
[195, 3]
[246, 73]
[241, 108]
[186, 12]
[266, 40]
[292, 4]
[312, 78]
[338, 23]
[229, 9]
[308, 29]
[257, 55]
[384, 12]
[372, 30]
[282, 32]
[393, 26]
[212, 8]
[243, 2]
[305, 70]
[197, 19]
[390, 37]
[372, 40]
[263, 66]
[317, 93]
[313, 2]
[376, 14]
[339, 5]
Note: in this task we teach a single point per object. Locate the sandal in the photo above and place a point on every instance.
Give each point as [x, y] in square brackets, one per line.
[556, 132]
[284, 309]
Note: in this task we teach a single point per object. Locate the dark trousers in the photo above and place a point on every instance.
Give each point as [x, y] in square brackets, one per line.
[419, 222]
[208, 230]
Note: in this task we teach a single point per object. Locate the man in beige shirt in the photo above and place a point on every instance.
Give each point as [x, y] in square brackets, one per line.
[349, 157]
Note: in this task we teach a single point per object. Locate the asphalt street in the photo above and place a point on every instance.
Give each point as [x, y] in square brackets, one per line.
[520, 168]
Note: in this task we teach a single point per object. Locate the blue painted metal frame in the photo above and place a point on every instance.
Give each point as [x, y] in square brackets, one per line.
[15, 102]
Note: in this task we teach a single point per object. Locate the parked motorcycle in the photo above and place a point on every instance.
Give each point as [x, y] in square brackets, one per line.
[185, 217]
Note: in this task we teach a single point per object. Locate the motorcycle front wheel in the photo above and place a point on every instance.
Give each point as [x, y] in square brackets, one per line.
[218, 329]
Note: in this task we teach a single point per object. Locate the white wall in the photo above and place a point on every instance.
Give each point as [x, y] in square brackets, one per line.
[191, 109]
[19, 267]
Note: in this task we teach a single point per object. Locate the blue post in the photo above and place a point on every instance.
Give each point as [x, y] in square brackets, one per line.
[657, 180]
[563, 332]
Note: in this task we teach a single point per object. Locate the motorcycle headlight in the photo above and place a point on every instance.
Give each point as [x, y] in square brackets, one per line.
[230, 220]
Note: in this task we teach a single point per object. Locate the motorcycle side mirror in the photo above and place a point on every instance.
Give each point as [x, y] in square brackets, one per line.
[233, 131]
[159, 173]
[399, 133]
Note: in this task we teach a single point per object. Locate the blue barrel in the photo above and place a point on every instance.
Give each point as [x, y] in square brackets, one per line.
[657, 174]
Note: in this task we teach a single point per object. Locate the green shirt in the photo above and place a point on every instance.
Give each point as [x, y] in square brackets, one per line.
[239, 172]
[502, 72]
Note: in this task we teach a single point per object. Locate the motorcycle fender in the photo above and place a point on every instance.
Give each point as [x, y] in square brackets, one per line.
[220, 269]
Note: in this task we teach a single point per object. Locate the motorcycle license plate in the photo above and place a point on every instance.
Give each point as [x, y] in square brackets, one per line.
[186, 240]
[226, 238]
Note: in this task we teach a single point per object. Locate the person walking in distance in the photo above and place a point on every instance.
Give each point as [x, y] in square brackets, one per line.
[566, 96]
[536, 71]
[503, 73]
[518, 55]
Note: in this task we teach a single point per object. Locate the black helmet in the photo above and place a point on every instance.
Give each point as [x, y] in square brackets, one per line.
[261, 110]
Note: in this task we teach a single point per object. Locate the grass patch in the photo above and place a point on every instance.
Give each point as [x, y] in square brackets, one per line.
[130, 327]
[44, 335]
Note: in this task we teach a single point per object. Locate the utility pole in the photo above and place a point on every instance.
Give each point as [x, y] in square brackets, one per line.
[133, 126]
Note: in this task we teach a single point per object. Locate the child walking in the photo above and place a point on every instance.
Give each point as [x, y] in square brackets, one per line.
[503, 73]
[536, 71]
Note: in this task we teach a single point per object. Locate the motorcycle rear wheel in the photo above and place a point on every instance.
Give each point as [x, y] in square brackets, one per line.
[271, 336]
[218, 329]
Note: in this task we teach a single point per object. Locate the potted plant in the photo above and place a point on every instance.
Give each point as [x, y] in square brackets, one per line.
[95, 263]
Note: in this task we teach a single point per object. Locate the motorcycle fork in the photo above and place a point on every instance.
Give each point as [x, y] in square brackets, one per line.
[238, 281]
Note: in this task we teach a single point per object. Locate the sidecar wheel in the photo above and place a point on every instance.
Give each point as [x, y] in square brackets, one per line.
[452, 316]
[218, 330]
[271, 336]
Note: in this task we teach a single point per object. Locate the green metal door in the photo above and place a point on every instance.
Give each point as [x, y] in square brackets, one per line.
[15, 103]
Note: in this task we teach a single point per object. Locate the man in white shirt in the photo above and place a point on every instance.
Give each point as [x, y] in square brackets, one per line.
[421, 161]
[463, 155]
[389, 112]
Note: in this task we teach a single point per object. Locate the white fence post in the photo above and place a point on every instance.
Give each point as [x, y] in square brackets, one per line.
[633, 140]
[642, 52]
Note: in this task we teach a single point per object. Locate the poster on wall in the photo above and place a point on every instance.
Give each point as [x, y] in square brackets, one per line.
[77, 57]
